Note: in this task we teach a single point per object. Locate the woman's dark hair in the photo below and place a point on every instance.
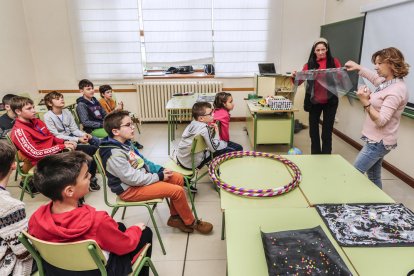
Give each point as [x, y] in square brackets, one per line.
[313, 63]
[57, 171]
[220, 99]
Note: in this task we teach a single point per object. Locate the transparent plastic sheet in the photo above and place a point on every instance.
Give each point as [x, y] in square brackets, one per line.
[302, 252]
[335, 80]
[369, 224]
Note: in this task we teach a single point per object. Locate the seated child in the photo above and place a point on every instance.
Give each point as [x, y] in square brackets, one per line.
[7, 119]
[223, 104]
[134, 178]
[33, 138]
[90, 112]
[106, 100]
[201, 125]
[110, 105]
[64, 178]
[61, 123]
[14, 257]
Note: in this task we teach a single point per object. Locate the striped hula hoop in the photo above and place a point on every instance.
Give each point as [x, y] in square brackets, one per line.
[292, 167]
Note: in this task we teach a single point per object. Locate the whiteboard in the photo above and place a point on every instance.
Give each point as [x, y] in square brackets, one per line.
[391, 26]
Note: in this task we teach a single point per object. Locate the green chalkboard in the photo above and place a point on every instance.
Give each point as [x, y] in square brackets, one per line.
[345, 41]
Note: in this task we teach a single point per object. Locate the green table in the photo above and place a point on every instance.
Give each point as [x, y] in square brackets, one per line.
[245, 255]
[381, 261]
[179, 109]
[332, 179]
[267, 126]
[257, 173]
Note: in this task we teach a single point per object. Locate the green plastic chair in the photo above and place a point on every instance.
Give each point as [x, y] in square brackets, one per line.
[19, 171]
[99, 132]
[119, 203]
[88, 254]
[190, 176]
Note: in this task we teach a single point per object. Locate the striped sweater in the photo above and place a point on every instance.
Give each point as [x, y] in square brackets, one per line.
[14, 258]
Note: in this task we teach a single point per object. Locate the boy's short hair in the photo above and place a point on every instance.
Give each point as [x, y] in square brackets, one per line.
[52, 96]
[104, 88]
[7, 154]
[55, 172]
[85, 83]
[19, 102]
[199, 109]
[6, 98]
[114, 120]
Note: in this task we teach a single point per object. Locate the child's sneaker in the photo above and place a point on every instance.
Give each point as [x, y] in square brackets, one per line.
[203, 227]
[177, 222]
[193, 189]
[93, 185]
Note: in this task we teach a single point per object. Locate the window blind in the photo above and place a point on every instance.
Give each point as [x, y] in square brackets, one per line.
[177, 32]
[246, 33]
[106, 39]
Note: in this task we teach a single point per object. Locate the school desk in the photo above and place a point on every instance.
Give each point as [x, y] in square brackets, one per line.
[257, 173]
[267, 126]
[332, 179]
[245, 254]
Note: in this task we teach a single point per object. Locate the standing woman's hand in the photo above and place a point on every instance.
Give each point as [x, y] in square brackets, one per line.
[352, 66]
[363, 94]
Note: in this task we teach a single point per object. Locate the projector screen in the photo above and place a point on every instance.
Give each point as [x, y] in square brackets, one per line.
[386, 26]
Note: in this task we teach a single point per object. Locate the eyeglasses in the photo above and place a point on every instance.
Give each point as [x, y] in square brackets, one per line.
[208, 114]
[130, 125]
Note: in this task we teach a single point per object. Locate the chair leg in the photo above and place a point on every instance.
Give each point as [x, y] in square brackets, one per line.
[168, 201]
[152, 267]
[156, 228]
[223, 225]
[190, 194]
[26, 186]
[15, 176]
[114, 210]
[123, 213]
[146, 261]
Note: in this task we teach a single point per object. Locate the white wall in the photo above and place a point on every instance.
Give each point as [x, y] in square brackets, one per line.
[17, 74]
[350, 117]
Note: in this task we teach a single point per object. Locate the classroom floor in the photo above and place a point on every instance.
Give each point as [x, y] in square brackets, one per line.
[196, 254]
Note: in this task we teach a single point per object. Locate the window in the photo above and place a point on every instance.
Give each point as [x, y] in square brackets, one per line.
[106, 37]
[112, 41]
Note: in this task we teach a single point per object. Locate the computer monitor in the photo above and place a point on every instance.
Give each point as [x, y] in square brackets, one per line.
[267, 69]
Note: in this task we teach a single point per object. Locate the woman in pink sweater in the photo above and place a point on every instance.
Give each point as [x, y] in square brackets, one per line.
[383, 108]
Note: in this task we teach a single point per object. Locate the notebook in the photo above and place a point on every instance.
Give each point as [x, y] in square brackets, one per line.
[267, 69]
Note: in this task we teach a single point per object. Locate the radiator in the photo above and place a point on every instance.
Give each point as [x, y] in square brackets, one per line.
[153, 96]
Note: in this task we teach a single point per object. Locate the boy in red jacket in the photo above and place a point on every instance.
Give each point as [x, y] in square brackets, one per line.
[31, 136]
[64, 178]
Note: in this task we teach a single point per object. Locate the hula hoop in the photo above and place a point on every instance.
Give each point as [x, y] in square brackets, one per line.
[216, 162]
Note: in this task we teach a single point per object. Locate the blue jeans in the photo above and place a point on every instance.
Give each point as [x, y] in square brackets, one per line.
[369, 160]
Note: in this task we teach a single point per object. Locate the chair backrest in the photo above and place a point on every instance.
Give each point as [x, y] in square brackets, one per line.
[88, 254]
[75, 116]
[101, 170]
[18, 161]
[198, 145]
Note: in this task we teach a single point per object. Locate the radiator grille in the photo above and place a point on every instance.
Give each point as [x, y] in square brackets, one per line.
[153, 96]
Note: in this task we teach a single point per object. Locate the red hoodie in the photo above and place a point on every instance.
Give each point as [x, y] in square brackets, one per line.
[83, 223]
[34, 140]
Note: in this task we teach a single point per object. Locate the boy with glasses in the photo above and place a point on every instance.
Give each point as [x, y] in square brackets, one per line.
[201, 125]
[134, 178]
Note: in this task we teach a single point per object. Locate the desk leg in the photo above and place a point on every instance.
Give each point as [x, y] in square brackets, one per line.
[223, 225]
[169, 129]
[255, 131]
[292, 128]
